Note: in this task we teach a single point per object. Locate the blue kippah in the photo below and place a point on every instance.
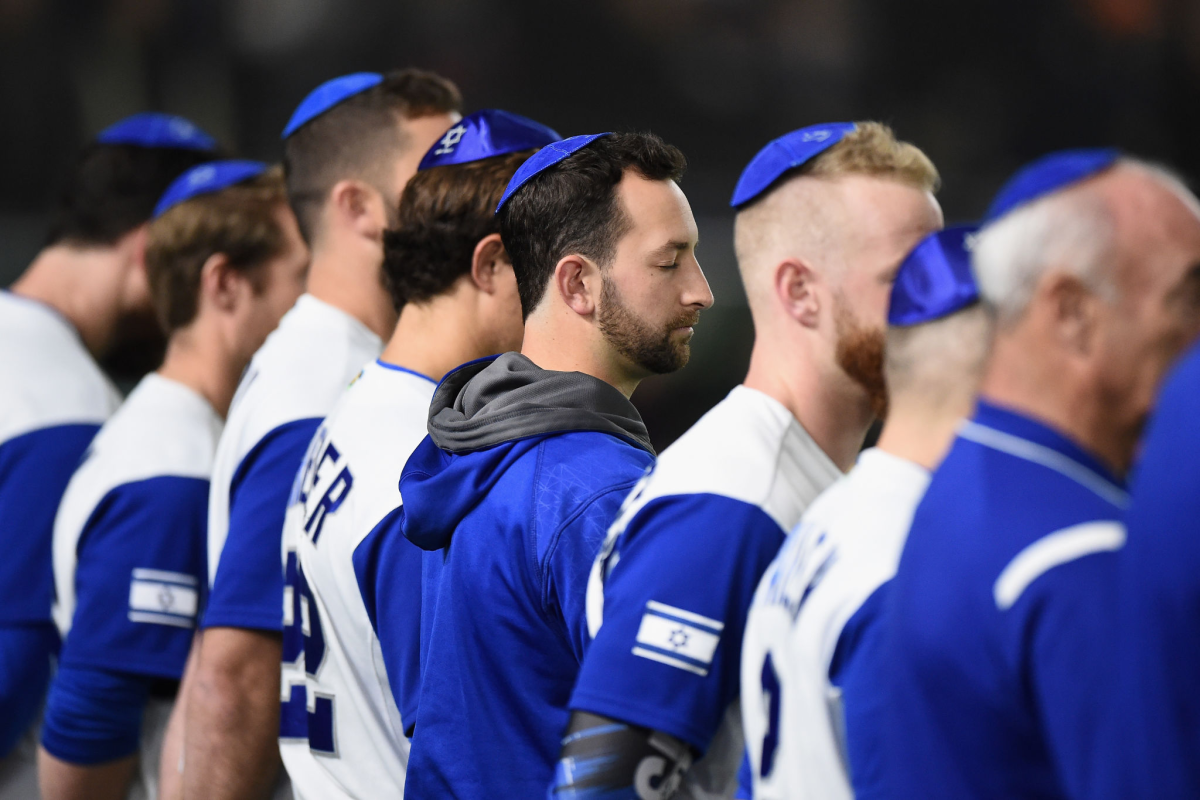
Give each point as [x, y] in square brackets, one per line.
[935, 280]
[152, 129]
[545, 158]
[1049, 174]
[328, 95]
[789, 151]
[487, 133]
[211, 177]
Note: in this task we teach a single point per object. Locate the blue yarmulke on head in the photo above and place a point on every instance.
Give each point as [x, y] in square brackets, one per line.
[487, 133]
[1049, 174]
[783, 155]
[544, 159]
[328, 95]
[935, 280]
[205, 179]
[152, 129]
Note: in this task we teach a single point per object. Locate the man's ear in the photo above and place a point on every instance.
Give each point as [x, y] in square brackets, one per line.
[577, 281]
[489, 257]
[360, 208]
[221, 286]
[1074, 311]
[796, 289]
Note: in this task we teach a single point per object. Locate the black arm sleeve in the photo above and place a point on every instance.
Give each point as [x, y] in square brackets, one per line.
[604, 757]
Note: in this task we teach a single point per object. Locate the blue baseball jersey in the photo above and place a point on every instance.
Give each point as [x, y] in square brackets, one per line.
[53, 399]
[341, 734]
[292, 382]
[1154, 749]
[999, 612]
[507, 622]
[129, 541]
[669, 594]
[813, 634]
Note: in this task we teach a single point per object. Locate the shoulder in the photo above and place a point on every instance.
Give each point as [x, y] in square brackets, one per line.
[47, 377]
[750, 449]
[299, 373]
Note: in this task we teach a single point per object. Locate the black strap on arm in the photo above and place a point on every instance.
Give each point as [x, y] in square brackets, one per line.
[601, 756]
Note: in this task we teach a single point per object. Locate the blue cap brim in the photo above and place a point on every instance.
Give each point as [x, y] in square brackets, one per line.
[544, 159]
[785, 154]
[1049, 174]
[152, 129]
[936, 278]
[328, 95]
[205, 179]
[487, 133]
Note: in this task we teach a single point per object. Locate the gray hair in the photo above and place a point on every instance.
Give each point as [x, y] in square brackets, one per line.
[939, 362]
[1071, 232]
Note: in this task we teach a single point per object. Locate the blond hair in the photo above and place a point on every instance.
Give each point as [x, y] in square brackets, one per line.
[872, 149]
[240, 221]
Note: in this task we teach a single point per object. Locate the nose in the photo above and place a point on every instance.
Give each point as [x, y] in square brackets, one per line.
[696, 290]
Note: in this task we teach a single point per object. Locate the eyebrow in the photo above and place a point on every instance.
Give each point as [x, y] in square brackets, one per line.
[671, 248]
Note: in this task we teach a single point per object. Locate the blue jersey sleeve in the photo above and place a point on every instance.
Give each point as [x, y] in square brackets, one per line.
[139, 578]
[388, 568]
[93, 715]
[34, 471]
[247, 589]
[668, 653]
[1067, 627]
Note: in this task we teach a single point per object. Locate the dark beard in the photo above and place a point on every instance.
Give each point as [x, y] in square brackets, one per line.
[860, 355]
[650, 349]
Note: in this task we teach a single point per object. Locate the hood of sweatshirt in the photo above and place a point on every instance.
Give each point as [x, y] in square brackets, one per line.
[487, 414]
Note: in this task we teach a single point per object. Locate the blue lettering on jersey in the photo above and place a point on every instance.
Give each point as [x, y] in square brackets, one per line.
[303, 639]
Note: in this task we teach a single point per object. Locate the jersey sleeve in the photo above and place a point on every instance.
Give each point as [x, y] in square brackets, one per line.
[1068, 626]
[569, 562]
[855, 670]
[668, 651]
[388, 569]
[34, 471]
[247, 590]
[139, 578]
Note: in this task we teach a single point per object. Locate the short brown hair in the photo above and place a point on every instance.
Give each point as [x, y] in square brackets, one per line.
[241, 221]
[873, 149]
[444, 212]
[573, 207]
[359, 138]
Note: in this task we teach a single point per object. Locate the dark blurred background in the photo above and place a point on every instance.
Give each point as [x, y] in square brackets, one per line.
[980, 85]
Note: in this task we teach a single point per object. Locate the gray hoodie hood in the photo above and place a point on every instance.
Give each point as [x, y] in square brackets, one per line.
[492, 401]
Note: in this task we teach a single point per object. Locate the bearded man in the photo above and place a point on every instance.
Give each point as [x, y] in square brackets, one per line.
[826, 214]
[530, 455]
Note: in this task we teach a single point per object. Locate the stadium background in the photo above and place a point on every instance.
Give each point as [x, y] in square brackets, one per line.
[981, 85]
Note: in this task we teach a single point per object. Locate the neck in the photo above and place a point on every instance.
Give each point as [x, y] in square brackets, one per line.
[349, 279]
[564, 351]
[834, 413]
[1052, 393]
[920, 431]
[435, 337]
[83, 286]
[204, 365]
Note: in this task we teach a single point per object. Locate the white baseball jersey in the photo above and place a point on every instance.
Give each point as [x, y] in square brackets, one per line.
[53, 399]
[815, 612]
[341, 732]
[293, 381]
[668, 596]
[129, 547]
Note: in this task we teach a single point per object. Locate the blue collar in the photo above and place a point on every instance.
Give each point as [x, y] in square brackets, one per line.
[398, 368]
[1024, 437]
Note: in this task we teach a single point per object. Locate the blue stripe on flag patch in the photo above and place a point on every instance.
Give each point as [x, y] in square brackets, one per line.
[678, 638]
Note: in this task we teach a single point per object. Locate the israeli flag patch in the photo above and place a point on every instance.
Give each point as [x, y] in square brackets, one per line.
[678, 638]
[163, 598]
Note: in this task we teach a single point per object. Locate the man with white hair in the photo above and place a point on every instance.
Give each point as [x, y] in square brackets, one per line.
[825, 216]
[809, 657]
[1001, 608]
